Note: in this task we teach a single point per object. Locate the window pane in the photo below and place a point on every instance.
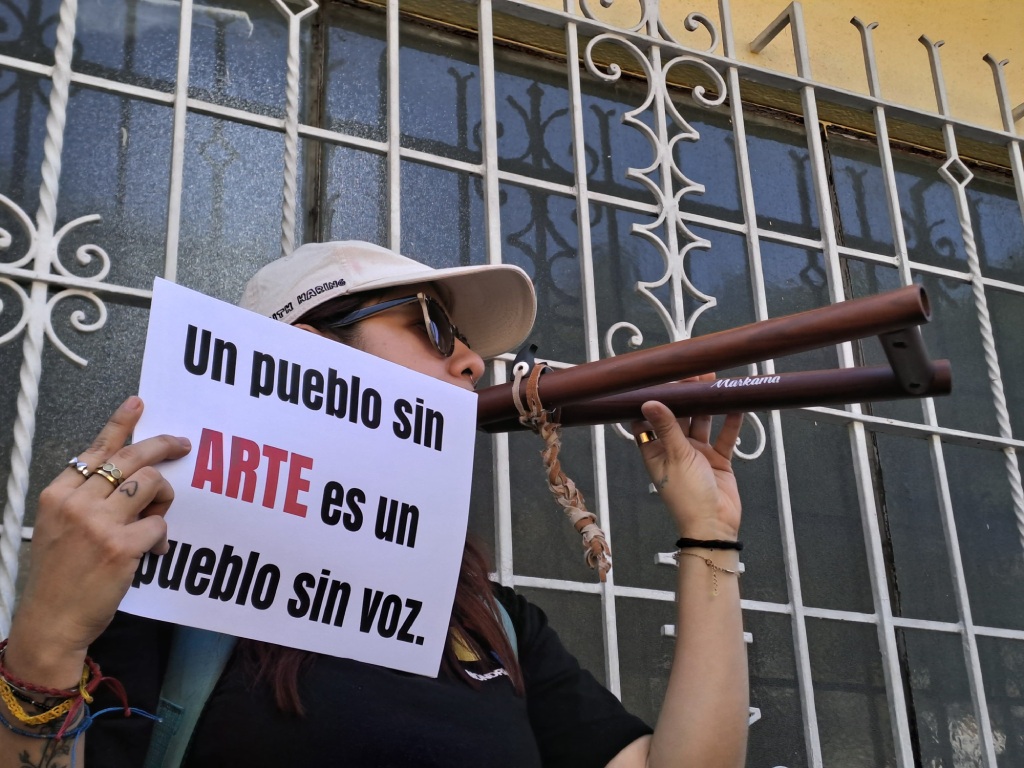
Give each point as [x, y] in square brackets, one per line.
[780, 171]
[921, 585]
[440, 96]
[795, 281]
[1002, 666]
[939, 699]
[239, 55]
[778, 737]
[930, 220]
[442, 214]
[998, 228]
[826, 516]
[540, 236]
[353, 203]
[868, 279]
[648, 658]
[987, 529]
[860, 194]
[576, 617]
[23, 109]
[231, 205]
[954, 333]
[74, 402]
[28, 29]
[355, 74]
[116, 163]
[621, 261]
[135, 41]
[849, 694]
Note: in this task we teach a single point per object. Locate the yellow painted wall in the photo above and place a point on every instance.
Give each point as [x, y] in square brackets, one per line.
[970, 30]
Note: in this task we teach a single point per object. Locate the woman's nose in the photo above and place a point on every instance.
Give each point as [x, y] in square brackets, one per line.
[465, 362]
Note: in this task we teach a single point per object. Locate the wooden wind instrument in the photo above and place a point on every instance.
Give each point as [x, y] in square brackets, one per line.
[613, 389]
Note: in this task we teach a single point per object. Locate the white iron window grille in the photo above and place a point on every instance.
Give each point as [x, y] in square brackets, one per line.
[884, 577]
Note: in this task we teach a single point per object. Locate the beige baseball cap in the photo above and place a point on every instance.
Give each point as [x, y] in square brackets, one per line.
[493, 305]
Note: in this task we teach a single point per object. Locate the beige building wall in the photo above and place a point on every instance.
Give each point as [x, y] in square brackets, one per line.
[970, 30]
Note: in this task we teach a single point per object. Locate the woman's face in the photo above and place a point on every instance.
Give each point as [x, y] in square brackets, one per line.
[399, 335]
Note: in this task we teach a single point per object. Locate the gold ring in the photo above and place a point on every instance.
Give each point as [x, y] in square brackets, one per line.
[79, 466]
[109, 472]
[646, 437]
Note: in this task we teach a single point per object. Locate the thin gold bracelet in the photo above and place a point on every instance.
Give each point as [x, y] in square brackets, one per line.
[715, 568]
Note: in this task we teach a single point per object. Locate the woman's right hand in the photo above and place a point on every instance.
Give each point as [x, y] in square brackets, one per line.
[89, 539]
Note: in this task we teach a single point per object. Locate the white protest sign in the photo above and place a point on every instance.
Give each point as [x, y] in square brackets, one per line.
[324, 503]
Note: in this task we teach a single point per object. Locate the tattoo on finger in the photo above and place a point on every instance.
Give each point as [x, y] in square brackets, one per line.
[662, 483]
[129, 488]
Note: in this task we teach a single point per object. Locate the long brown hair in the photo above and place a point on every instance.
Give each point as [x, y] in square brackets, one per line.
[475, 614]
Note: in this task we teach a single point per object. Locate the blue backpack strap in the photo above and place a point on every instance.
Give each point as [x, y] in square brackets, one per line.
[196, 661]
[509, 627]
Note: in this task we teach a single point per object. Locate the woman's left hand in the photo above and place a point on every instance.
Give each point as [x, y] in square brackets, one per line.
[692, 475]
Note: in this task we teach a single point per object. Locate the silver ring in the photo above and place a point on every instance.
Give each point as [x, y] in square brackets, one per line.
[79, 466]
[646, 437]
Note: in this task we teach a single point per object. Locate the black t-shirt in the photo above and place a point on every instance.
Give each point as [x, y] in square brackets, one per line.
[362, 715]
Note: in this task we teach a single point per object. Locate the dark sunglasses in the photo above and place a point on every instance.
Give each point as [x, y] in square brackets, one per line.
[440, 329]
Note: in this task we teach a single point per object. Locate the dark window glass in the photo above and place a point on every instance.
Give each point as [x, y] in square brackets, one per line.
[780, 171]
[540, 236]
[355, 73]
[849, 694]
[930, 220]
[826, 516]
[774, 690]
[440, 95]
[133, 41]
[989, 534]
[939, 699]
[239, 55]
[920, 584]
[860, 195]
[28, 29]
[998, 227]
[1002, 669]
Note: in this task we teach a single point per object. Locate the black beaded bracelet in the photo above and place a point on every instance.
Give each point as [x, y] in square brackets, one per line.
[709, 544]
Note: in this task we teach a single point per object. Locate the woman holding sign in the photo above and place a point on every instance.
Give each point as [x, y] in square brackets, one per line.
[508, 694]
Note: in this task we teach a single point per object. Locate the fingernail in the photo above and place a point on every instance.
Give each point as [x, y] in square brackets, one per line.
[185, 443]
[133, 403]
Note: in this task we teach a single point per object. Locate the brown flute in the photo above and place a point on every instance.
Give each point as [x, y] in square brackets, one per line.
[590, 393]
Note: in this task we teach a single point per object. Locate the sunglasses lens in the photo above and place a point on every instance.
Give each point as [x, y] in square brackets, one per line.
[441, 330]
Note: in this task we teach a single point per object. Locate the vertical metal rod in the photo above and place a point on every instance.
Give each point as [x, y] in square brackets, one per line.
[291, 122]
[394, 129]
[958, 184]
[492, 212]
[891, 667]
[178, 141]
[31, 371]
[805, 682]
[593, 347]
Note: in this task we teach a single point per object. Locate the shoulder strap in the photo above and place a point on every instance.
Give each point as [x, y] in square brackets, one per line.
[197, 659]
[508, 626]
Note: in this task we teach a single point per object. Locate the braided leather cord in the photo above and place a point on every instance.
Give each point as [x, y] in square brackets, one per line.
[596, 551]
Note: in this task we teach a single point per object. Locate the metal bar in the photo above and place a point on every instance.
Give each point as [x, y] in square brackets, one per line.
[492, 222]
[758, 393]
[856, 318]
[44, 246]
[394, 128]
[291, 122]
[178, 142]
[593, 349]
